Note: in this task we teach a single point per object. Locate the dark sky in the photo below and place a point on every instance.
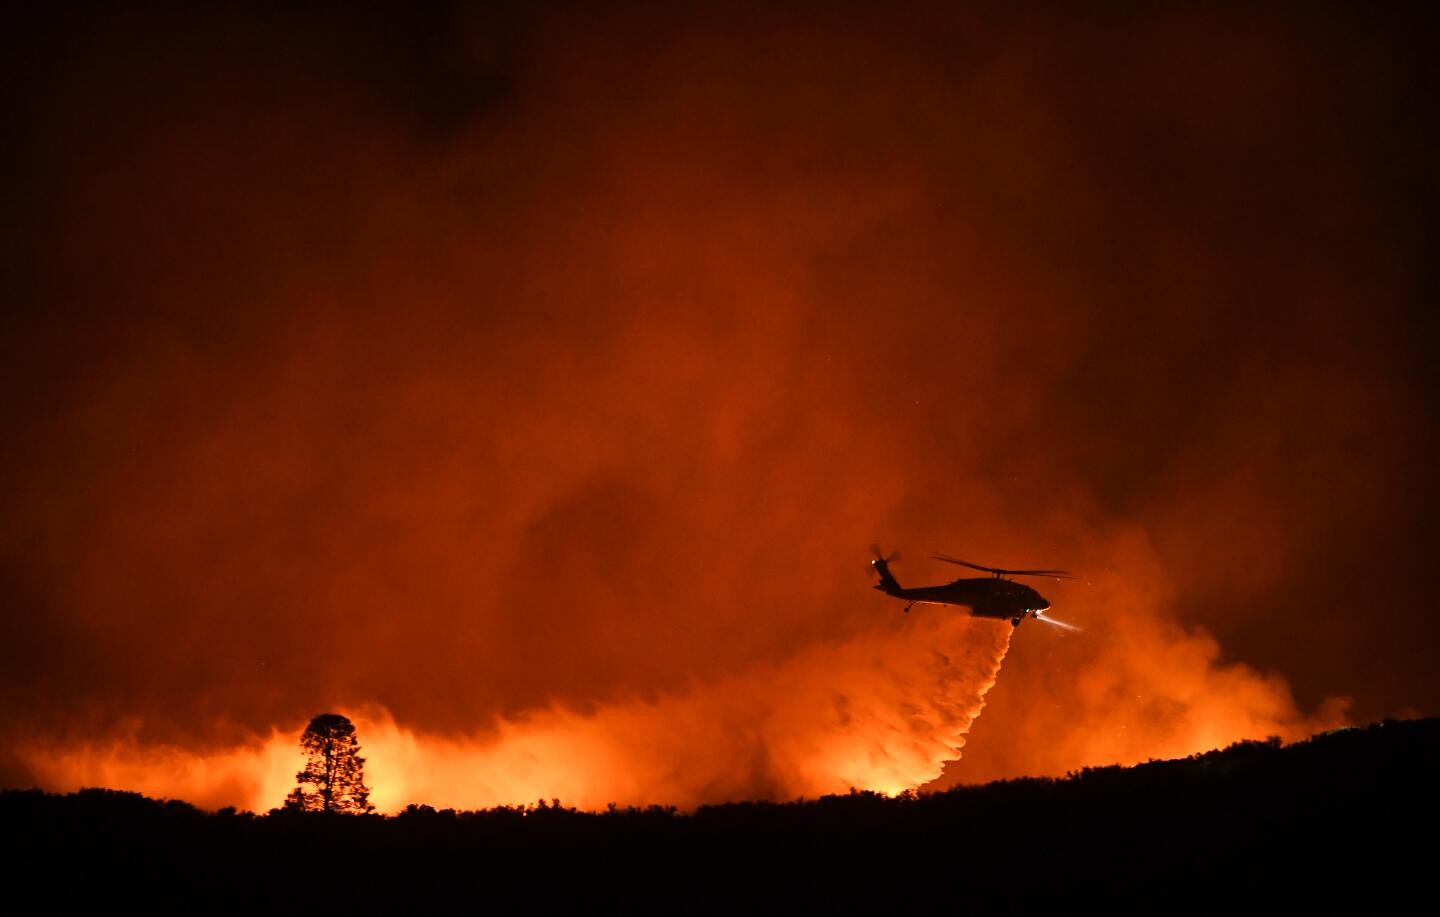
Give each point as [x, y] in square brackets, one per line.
[488, 364]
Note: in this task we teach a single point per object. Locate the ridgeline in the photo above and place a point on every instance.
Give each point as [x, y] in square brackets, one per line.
[1346, 812]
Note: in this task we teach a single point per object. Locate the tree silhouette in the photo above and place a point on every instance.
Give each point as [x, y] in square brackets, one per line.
[334, 776]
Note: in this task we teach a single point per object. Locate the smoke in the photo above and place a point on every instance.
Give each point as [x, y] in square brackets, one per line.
[1135, 685]
[529, 384]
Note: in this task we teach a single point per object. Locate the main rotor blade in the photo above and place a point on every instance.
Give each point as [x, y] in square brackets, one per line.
[965, 563]
[1058, 574]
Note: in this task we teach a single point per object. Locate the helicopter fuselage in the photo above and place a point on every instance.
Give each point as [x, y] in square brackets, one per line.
[986, 597]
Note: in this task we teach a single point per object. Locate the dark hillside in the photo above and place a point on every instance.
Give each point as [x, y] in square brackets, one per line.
[1344, 812]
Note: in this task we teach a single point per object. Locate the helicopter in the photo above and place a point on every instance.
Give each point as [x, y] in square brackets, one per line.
[992, 596]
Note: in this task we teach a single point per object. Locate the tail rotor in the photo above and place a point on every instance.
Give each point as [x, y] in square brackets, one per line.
[884, 558]
[881, 565]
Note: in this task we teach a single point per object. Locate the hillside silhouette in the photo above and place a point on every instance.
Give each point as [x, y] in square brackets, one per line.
[1345, 812]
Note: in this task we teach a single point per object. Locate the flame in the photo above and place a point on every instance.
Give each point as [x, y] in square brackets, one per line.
[881, 714]
[882, 711]
[256, 775]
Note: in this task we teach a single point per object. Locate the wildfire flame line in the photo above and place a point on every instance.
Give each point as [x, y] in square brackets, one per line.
[878, 713]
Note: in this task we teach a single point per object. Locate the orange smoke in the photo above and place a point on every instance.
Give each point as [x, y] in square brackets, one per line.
[529, 386]
[1134, 686]
[885, 709]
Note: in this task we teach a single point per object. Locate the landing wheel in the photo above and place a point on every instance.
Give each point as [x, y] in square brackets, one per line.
[1014, 622]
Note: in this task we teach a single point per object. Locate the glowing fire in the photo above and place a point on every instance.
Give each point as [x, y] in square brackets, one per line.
[880, 714]
[879, 711]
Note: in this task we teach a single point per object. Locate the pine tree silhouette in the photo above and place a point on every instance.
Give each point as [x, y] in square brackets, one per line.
[333, 779]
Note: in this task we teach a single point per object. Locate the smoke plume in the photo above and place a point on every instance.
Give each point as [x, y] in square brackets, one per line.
[528, 383]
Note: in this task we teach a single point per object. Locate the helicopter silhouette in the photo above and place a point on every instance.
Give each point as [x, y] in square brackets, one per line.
[991, 596]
